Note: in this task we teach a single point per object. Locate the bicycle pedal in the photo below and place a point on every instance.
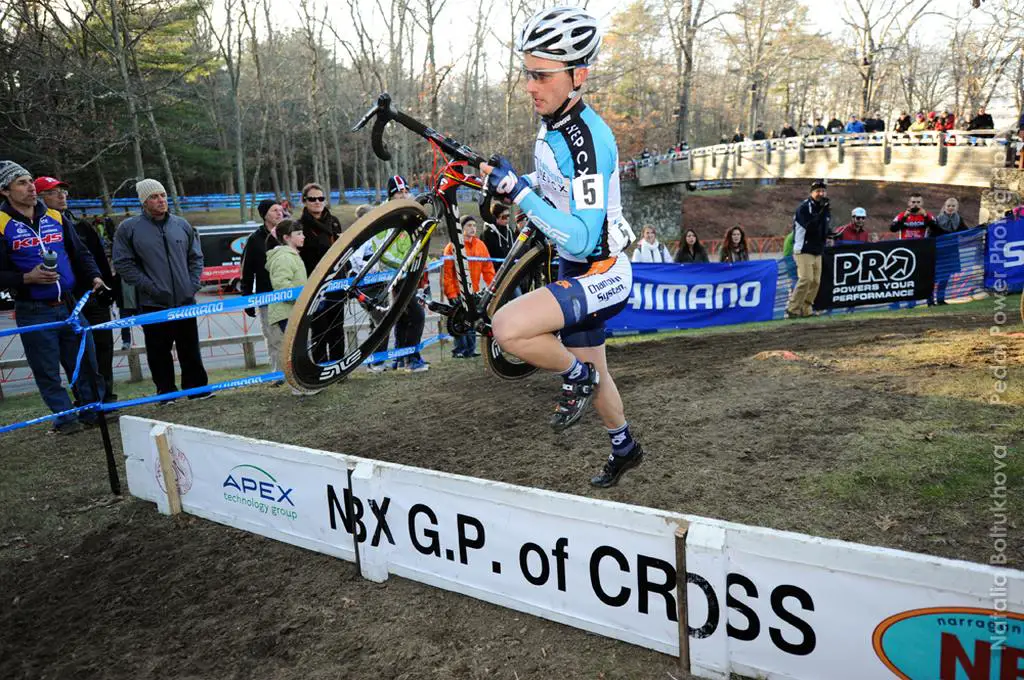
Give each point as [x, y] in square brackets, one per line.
[441, 308]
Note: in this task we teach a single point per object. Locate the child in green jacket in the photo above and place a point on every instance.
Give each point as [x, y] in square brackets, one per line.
[286, 268]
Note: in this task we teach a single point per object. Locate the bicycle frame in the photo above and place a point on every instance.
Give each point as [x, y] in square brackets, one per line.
[445, 189]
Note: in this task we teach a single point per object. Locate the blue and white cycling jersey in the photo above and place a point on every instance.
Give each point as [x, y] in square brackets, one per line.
[577, 171]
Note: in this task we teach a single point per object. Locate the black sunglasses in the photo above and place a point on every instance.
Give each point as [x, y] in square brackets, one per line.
[315, 199]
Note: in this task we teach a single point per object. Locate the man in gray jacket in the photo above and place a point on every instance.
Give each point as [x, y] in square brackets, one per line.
[160, 255]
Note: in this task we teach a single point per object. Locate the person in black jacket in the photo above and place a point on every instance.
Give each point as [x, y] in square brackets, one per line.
[499, 237]
[97, 309]
[321, 230]
[691, 250]
[255, 278]
[811, 228]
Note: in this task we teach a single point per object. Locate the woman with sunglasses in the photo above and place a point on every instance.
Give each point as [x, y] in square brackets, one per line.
[321, 229]
[573, 198]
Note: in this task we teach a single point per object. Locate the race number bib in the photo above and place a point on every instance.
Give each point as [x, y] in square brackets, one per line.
[588, 192]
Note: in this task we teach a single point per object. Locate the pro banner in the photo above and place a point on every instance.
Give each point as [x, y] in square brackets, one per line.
[1004, 259]
[876, 273]
[668, 296]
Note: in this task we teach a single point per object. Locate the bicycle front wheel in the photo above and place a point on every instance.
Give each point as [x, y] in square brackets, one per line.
[356, 294]
[531, 271]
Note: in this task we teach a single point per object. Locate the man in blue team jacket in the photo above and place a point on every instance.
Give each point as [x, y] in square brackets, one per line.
[41, 258]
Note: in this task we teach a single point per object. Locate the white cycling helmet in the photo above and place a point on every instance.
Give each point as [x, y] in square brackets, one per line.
[566, 34]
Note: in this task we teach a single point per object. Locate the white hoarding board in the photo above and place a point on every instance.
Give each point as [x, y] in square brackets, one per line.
[764, 603]
[269, 489]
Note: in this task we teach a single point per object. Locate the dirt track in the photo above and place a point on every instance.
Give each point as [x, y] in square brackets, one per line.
[142, 596]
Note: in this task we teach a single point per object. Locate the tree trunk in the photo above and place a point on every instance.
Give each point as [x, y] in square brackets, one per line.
[108, 205]
[129, 96]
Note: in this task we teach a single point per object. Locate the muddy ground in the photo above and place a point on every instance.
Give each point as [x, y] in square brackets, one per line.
[851, 440]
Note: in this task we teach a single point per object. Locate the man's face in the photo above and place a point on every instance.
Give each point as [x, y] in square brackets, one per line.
[401, 193]
[819, 194]
[55, 198]
[915, 203]
[21, 191]
[469, 230]
[501, 219]
[156, 204]
[274, 216]
[549, 90]
[858, 222]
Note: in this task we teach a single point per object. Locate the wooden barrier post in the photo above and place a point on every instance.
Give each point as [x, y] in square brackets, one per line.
[681, 602]
[134, 365]
[249, 354]
[167, 470]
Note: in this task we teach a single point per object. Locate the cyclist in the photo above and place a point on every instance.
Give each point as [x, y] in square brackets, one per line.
[573, 198]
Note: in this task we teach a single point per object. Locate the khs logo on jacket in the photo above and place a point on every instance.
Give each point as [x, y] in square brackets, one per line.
[33, 241]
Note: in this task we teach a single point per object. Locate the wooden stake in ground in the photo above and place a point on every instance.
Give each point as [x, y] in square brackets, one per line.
[681, 603]
[167, 468]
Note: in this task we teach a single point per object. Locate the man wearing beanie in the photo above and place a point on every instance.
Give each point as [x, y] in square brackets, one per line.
[812, 227]
[256, 279]
[41, 259]
[160, 255]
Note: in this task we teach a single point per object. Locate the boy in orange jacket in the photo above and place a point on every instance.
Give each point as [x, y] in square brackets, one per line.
[465, 346]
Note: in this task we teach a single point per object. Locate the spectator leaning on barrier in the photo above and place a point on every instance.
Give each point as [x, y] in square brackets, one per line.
[855, 126]
[919, 124]
[256, 279]
[915, 221]
[97, 308]
[854, 230]
[759, 133]
[835, 126]
[947, 262]
[805, 129]
[41, 259]
[734, 246]
[983, 121]
[788, 131]
[691, 249]
[481, 272]
[648, 249]
[159, 253]
[737, 136]
[904, 122]
[811, 228]
[819, 129]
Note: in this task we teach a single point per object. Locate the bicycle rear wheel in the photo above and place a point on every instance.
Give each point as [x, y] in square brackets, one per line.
[530, 272]
[331, 313]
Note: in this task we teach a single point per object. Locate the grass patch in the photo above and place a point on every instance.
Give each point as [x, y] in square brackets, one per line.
[938, 465]
[982, 306]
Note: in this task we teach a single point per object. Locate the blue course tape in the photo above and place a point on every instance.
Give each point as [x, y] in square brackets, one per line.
[194, 391]
[32, 329]
[43, 419]
[388, 355]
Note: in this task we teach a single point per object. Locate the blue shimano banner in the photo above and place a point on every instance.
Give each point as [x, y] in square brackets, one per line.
[668, 296]
[1004, 259]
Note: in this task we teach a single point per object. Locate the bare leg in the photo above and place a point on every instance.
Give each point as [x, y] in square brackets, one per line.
[525, 326]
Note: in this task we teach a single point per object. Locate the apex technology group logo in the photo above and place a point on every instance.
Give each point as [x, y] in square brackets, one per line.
[257, 489]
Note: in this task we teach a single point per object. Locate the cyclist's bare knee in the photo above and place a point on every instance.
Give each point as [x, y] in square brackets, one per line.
[525, 318]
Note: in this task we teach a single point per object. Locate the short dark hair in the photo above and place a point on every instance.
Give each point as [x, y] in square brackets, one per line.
[916, 193]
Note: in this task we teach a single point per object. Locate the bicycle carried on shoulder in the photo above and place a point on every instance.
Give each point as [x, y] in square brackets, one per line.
[374, 269]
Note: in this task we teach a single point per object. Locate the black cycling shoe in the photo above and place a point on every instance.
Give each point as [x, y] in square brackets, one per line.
[576, 397]
[616, 465]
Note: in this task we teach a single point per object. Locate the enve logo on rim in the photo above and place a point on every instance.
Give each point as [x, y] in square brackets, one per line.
[939, 642]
